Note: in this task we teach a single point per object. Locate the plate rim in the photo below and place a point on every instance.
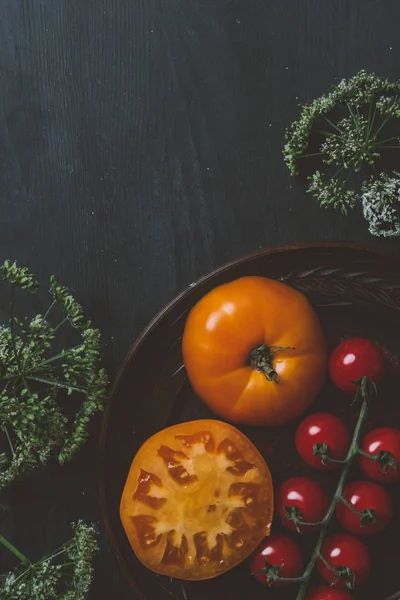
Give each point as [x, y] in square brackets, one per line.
[379, 253]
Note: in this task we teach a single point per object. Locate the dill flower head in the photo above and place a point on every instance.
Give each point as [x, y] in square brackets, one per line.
[381, 204]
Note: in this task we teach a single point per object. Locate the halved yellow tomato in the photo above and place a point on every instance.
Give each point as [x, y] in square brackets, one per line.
[197, 501]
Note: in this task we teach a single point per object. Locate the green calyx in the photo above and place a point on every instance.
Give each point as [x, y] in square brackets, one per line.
[261, 359]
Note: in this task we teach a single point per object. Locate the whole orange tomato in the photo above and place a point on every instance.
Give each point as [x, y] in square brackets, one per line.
[197, 501]
[254, 351]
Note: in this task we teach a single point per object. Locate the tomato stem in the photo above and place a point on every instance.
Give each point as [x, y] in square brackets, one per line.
[299, 523]
[384, 457]
[373, 457]
[326, 563]
[335, 461]
[368, 515]
[351, 507]
[293, 513]
[340, 573]
[322, 450]
[14, 550]
[365, 390]
[271, 573]
[261, 359]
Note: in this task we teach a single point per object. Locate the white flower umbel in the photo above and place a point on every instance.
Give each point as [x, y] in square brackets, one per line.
[381, 204]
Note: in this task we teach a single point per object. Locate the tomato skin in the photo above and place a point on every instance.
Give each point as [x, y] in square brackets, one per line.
[353, 359]
[322, 428]
[197, 500]
[308, 496]
[324, 592]
[381, 440]
[235, 319]
[340, 550]
[365, 494]
[278, 549]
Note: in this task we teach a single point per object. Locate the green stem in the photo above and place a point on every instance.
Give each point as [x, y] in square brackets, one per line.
[261, 359]
[370, 122]
[382, 125]
[60, 384]
[372, 457]
[12, 331]
[44, 363]
[347, 179]
[356, 121]
[24, 381]
[351, 507]
[326, 563]
[299, 523]
[62, 550]
[396, 137]
[352, 453]
[46, 314]
[337, 172]
[311, 154]
[14, 550]
[22, 575]
[60, 324]
[9, 441]
[288, 579]
[47, 362]
[333, 125]
[335, 461]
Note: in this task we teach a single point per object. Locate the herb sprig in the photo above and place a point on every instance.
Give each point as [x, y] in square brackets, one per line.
[65, 574]
[37, 381]
[350, 127]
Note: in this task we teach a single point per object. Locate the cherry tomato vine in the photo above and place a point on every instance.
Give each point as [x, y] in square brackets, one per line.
[366, 391]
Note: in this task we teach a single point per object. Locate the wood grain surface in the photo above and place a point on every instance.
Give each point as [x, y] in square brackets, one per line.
[140, 147]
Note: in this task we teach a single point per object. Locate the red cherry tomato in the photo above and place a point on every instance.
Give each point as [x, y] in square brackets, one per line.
[276, 550]
[309, 498]
[381, 441]
[353, 359]
[364, 495]
[322, 428]
[324, 592]
[343, 550]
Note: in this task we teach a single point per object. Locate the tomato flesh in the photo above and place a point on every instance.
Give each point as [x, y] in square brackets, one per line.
[197, 501]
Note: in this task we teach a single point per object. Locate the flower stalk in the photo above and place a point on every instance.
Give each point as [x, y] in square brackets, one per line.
[65, 574]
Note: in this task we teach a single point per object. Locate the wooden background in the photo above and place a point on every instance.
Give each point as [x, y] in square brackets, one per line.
[140, 146]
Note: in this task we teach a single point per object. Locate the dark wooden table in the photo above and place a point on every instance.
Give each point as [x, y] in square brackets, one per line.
[141, 146]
